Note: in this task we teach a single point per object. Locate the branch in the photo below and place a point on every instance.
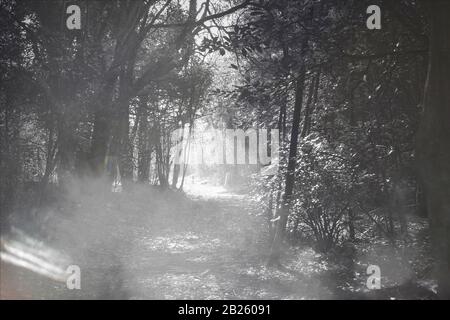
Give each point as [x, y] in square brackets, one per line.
[204, 19]
[383, 54]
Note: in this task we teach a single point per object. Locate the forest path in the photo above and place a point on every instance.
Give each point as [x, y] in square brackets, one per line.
[148, 245]
[219, 254]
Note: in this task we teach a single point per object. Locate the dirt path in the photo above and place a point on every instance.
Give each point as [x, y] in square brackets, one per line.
[207, 246]
[219, 255]
[149, 244]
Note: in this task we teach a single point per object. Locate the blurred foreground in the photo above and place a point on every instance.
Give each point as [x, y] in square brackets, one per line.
[206, 244]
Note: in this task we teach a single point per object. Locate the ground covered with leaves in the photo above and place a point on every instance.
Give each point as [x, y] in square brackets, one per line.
[209, 243]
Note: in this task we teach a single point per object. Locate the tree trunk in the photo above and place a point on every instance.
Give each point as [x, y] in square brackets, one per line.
[308, 108]
[102, 129]
[99, 142]
[144, 143]
[351, 225]
[312, 99]
[283, 212]
[121, 144]
[187, 154]
[433, 151]
[421, 201]
[66, 150]
[177, 166]
[50, 157]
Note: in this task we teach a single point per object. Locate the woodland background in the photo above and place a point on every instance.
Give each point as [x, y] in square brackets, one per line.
[97, 106]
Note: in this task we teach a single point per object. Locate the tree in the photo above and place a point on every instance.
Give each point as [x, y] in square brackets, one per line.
[433, 152]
